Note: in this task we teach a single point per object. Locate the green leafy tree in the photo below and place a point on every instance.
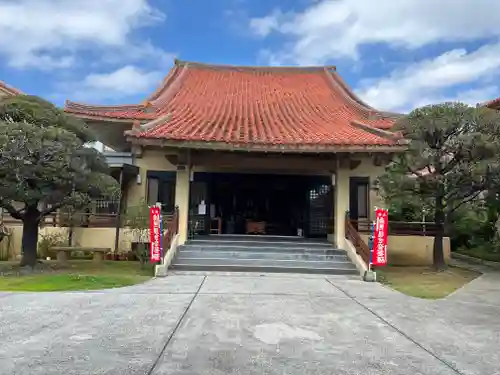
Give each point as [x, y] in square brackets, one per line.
[402, 207]
[45, 165]
[452, 159]
[137, 220]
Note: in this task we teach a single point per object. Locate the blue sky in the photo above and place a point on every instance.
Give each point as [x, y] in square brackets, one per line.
[396, 55]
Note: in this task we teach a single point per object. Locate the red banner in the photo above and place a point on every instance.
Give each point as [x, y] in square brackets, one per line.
[155, 234]
[379, 255]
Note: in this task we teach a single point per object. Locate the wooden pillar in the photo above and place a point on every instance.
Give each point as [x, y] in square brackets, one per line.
[341, 205]
[182, 185]
[119, 213]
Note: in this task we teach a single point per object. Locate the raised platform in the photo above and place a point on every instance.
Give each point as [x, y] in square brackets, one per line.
[247, 253]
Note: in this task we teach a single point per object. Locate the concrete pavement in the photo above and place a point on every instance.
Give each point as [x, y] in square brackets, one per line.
[193, 323]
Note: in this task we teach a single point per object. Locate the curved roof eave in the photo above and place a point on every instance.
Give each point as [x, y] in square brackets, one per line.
[9, 90]
[255, 147]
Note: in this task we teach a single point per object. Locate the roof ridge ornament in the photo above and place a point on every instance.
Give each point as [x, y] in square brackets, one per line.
[394, 136]
[197, 64]
[148, 107]
[147, 127]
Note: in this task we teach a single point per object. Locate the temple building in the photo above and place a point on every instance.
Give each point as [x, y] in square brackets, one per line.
[285, 151]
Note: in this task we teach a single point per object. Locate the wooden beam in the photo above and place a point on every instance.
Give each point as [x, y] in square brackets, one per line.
[137, 150]
[382, 159]
[249, 161]
[172, 159]
[353, 164]
[183, 157]
[271, 148]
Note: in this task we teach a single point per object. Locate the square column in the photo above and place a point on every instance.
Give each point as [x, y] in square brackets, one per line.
[341, 205]
[182, 202]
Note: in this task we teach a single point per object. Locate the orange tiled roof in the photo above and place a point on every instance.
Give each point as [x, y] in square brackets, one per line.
[253, 105]
[8, 89]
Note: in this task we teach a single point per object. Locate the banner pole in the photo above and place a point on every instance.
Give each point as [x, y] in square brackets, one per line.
[372, 240]
[158, 204]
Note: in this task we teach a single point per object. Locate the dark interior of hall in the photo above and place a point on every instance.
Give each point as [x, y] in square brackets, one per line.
[264, 204]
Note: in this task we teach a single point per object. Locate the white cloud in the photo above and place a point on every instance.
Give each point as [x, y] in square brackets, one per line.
[329, 30]
[118, 84]
[49, 33]
[265, 25]
[424, 82]
[337, 28]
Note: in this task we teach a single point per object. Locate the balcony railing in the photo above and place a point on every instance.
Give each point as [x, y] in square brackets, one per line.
[354, 229]
[98, 214]
[400, 228]
[101, 213]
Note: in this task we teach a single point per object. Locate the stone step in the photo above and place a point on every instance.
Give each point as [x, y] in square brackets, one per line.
[194, 254]
[267, 244]
[259, 262]
[280, 254]
[265, 248]
[263, 269]
[250, 237]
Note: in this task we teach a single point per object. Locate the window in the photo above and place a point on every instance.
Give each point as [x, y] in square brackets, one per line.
[363, 199]
[166, 195]
[359, 198]
[153, 190]
[161, 189]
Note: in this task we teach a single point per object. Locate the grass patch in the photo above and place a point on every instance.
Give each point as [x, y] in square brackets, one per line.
[423, 282]
[481, 253]
[78, 275]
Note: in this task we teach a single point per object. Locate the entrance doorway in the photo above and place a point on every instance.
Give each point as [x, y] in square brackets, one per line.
[265, 204]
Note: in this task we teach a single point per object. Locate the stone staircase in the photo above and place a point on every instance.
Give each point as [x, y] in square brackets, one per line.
[262, 254]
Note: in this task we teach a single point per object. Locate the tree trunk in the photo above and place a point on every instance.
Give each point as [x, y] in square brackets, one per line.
[492, 213]
[70, 236]
[70, 223]
[438, 251]
[30, 237]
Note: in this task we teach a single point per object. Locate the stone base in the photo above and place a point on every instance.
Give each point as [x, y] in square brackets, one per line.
[161, 270]
[98, 256]
[370, 276]
[62, 257]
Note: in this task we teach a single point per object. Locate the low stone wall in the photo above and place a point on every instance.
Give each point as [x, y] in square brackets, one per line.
[84, 237]
[403, 250]
[355, 258]
[161, 270]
